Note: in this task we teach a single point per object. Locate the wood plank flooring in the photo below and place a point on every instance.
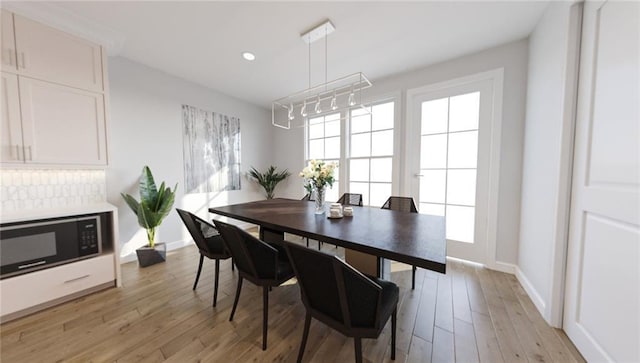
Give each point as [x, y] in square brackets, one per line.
[471, 314]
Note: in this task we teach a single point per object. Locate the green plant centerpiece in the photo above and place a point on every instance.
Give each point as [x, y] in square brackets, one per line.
[154, 205]
[269, 179]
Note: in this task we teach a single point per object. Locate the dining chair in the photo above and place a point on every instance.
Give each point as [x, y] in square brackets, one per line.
[341, 297]
[258, 262]
[403, 204]
[351, 199]
[209, 244]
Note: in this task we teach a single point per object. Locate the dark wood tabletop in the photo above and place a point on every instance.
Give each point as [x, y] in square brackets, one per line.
[412, 238]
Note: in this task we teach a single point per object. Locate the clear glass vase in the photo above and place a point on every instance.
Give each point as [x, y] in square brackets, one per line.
[319, 199]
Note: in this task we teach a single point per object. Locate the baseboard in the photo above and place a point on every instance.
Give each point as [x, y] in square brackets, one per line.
[503, 267]
[535, 297]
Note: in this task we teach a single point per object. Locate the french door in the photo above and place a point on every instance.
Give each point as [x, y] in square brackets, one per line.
[451, 136]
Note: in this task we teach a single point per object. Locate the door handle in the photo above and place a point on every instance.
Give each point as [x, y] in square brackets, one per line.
[32, 264]
[418, 175]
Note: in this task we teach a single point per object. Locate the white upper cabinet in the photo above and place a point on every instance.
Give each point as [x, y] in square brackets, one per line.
[8, 42]
[10, 123]
[49, 54]
[61, 125]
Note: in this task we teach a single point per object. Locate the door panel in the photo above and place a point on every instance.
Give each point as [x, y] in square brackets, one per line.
[10, 123]
[8, 42]
[602, 296]
[62, 125]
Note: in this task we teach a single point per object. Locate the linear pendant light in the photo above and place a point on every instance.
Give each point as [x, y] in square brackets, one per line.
[329, 97]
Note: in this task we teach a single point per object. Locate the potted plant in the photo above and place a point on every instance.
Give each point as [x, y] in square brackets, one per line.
[155, 204]
[269, 180]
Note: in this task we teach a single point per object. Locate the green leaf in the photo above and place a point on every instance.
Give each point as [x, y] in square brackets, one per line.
[131, 202]
[148, 190]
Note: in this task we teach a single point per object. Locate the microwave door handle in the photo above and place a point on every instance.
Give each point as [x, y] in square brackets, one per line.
[32, 264]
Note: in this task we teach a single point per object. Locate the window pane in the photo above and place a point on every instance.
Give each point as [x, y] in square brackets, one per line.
[463, 149]
[433, 151]
[316, 120]
[331, 195]
[433, 209]
[461, 187]
[359, 170]
[432, 186]
[434, 116]
[360, 123]
[316, 149]
[464, 112]
[380, 192]
[361, 145]
[360, 188]
[332, 117]
[460, 223]
[332, 147]
[316, 131]
[382, 143]
[332, 128]
[381, 170]
[382, 116]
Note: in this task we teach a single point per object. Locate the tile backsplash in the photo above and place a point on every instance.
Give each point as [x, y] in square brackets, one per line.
[29, 189]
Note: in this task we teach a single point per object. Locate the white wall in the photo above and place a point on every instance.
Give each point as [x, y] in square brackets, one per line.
[145, 128]
[547, 156]
[289, 144]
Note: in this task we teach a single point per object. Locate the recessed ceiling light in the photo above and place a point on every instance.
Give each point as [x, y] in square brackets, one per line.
[248, 56]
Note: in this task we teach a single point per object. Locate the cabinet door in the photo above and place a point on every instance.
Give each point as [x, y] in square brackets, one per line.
[8, 42]
[62, 125]
[49, 54]
[10, 125]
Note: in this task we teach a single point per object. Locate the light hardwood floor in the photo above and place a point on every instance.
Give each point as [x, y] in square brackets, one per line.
[470, 314]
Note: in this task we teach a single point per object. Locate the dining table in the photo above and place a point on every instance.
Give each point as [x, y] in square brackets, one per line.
[371, 236]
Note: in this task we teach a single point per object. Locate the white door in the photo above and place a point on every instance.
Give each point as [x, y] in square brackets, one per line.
[602, 294]
[451, 128]
[8, 41]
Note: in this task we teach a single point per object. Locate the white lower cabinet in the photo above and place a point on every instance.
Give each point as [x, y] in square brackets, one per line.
[27, 291]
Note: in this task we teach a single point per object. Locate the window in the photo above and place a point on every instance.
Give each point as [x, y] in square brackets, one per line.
[324, 144]
[448, 162]
[371, 153]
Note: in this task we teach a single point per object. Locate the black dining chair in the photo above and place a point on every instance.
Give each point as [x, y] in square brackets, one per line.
[258, 262]
[341, 297]
[209, 244]
[351, 199]
[403, 204]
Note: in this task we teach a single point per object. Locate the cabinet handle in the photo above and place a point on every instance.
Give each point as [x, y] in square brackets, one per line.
[418, 175]
[76, 279]
[17, 154]
[6, 56]
[30, 154]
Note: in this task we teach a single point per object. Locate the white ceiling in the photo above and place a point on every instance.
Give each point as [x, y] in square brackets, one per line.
[202, 41]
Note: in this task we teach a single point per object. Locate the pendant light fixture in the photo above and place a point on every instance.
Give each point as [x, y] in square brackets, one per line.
[342, 94]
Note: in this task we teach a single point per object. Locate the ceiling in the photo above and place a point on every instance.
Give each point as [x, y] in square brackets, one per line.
[202, 41]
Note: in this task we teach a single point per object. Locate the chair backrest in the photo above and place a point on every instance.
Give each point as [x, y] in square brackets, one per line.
[401, 204]
[252, 256]
[200, 230]
[351, 199]
[334, 289]
[308, 197]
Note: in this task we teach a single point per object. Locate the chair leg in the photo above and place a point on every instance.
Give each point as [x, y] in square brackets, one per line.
[265, 315]
[232, 265]
[319, 245]
[235, 302]
[413, 278]
[358, 344]
[305, 335]
[393, 333]
[195, 284]
[215, 284]
[307, 242]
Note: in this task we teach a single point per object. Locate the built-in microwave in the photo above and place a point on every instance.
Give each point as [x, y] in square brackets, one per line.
[34, 245]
